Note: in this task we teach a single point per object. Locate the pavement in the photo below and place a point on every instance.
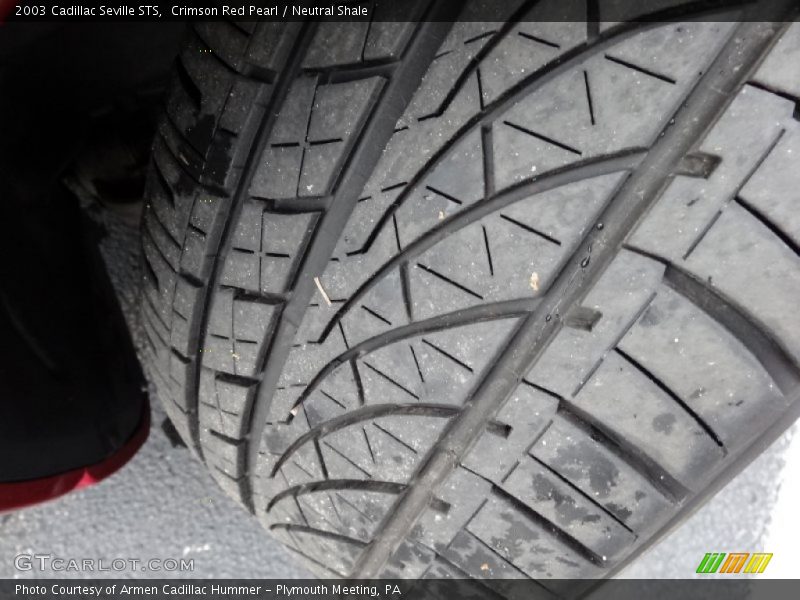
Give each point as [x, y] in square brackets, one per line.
[163, 504]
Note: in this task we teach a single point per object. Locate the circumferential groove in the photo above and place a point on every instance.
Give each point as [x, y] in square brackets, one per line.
[259, 141]
[375, 132]
[365, 485]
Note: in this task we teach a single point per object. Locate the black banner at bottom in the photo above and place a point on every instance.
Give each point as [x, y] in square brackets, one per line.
[399, 589]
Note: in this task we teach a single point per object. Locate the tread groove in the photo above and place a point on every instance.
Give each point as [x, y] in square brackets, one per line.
[753, 335]
[754, 169]
[530, 229]
[395, 383]
[416, 363]
[355, 168]
[589, 96]
[776, 231]
[632, 456]
[544, 138]
[321, 458]
[554, 530]
[394, 437]
[447, 355]
[585, 379]
[342, 455]
[318, 532]
[675, 398]
[369, 485]
[188, 84]
[446, 279]
[532, 82]
[538, 39]
[443, 195]
[369, 445]
[476, 60]
[484, 312]
[488, 251]
[639, 69]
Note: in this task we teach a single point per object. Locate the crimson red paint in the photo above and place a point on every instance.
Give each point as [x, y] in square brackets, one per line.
[20, 494]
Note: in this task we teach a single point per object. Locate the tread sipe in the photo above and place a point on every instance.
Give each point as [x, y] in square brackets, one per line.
[478, 300]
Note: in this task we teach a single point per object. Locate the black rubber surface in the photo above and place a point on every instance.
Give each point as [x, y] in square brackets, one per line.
[477, 300]
[71, 388]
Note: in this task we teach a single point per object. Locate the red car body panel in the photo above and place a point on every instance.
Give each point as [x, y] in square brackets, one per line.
[20, 494]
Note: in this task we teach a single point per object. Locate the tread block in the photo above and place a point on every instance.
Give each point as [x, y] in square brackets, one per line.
[479, 560]
[224, 454]
[455, 184]
[266, 249]
[600, 474]
[388, 448]
[777, 71]
[237, 332]
[623, 399]
[338, 554]
[228, 41]
[621, 294]
[224, 405]
[270, 44]
[547, 30]
[738, 239]
[337, 44]
[462, 495]
[304, 466]
[354, 513]
[409, 561]
[683, 212]
[193, 260]
[705, 365]
[388, 38]
[547, 494]
[339, 109]
[382, 309]
[774, 181]
[525, 544]
[527, 413]
[338, 394]
[628, 110]
[305, 359]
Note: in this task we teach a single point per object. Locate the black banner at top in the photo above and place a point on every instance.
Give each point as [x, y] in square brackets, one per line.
[603, 11]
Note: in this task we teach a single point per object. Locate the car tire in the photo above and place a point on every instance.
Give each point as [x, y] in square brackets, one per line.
[449, 298]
